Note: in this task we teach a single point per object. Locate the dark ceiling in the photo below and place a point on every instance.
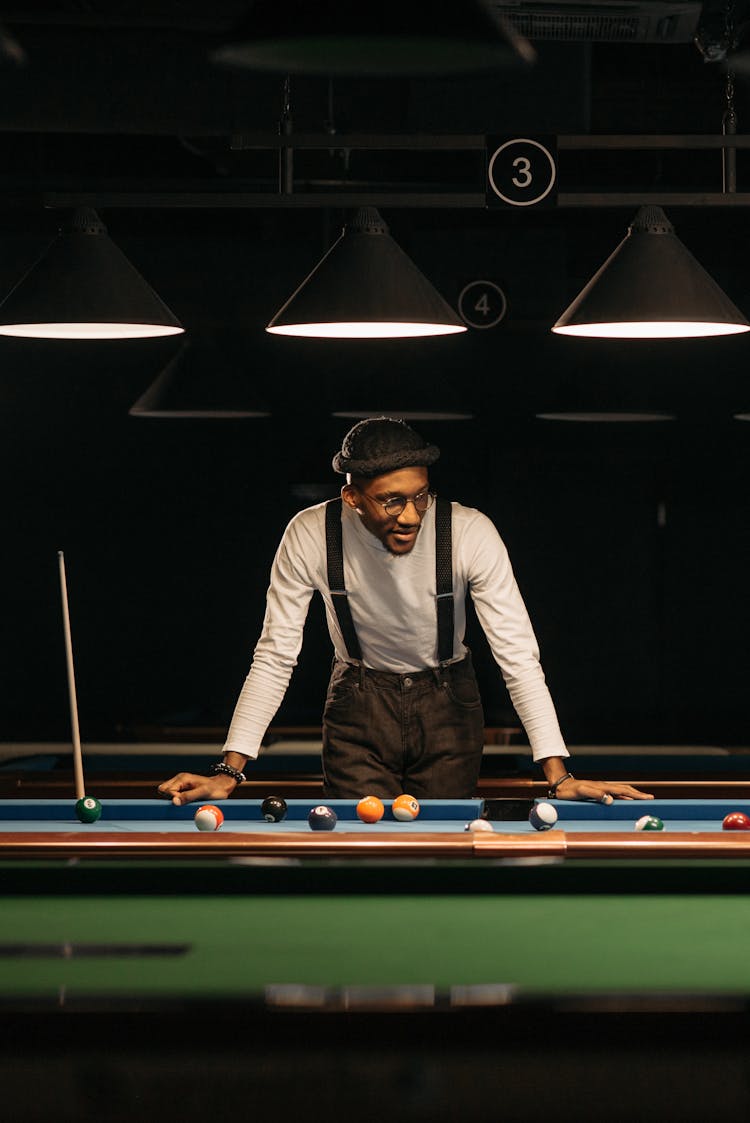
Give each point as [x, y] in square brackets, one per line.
[139, 77]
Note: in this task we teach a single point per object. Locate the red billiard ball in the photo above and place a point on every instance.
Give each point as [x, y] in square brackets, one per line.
[736, 821]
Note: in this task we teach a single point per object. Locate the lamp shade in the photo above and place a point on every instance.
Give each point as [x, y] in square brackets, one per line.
[651, 287]
[338, 37]
[366, 287]
[200, 381]
[600, 417]
[83, 287]
[406, 412]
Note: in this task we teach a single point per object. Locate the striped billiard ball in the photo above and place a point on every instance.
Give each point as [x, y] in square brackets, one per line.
[649, 823]
[543, 816]
[404, 808]
[208, 817]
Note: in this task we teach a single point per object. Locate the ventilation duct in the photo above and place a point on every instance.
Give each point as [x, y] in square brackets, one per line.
[597, 21]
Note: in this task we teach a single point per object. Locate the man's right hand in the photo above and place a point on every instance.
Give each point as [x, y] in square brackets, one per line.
[185, 787]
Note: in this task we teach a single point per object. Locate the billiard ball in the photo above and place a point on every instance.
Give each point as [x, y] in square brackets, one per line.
[273, 809]
[648, 823]
[404, 808]
[543, 816]
[370, 809]
[208, 817]
[736, 821]
[477, 826]
[322, 818]
[88, 809]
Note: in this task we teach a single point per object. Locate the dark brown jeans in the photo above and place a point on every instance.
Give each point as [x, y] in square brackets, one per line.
[384, 733]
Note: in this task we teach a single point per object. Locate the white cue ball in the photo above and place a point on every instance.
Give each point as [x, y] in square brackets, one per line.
[479, 825]
[543, 816]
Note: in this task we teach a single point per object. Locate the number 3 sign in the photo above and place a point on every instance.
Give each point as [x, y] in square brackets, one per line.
[521, 172]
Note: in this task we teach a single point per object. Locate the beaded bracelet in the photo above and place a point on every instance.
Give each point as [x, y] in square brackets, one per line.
[553, 787]
[227, 770]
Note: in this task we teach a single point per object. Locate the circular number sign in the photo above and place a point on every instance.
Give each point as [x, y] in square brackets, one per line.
[482, 304]
[522, 172]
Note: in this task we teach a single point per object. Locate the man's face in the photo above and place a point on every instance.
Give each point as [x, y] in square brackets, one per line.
[398, 533]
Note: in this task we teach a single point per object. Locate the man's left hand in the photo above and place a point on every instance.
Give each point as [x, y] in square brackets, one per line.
[600, 791]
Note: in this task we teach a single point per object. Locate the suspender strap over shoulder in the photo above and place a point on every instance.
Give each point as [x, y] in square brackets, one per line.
[335, 563]
[443, 579]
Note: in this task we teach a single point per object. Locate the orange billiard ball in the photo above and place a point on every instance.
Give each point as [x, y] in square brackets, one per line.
[405, 807]
[370, 809]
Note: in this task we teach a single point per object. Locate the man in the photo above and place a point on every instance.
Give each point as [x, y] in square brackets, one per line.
[403, 712]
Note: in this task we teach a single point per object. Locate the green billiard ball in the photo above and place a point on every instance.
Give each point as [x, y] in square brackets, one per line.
[649, 823]
[88, 809]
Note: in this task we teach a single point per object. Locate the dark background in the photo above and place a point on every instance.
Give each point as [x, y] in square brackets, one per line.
[630, 542]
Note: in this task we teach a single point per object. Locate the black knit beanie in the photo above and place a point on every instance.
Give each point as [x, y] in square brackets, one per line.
[382, 444]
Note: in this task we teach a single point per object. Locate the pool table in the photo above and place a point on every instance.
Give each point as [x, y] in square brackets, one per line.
[410, 969]
[156, 828]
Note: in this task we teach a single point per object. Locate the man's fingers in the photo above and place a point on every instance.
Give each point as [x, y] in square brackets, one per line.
[177, 783]
[625, 791]
[183, 788]
[599, 793]
[602, 792]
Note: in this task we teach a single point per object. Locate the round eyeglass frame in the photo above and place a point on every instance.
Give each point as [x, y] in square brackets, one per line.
[397, 504]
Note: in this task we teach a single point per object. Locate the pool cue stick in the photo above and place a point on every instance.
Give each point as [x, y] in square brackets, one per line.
[77, 755]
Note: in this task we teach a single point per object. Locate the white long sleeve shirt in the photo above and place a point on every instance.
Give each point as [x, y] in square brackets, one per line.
[393, 606]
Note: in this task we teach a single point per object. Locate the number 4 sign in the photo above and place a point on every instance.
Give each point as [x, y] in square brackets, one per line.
[521, 172]
[482, 304]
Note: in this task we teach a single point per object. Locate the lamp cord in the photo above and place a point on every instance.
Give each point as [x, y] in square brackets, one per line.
[286, 155]
[729, 116]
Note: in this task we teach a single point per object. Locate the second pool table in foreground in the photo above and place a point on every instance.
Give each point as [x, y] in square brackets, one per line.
[404, 970]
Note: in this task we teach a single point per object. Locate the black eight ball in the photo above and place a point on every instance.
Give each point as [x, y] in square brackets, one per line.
[273, 809]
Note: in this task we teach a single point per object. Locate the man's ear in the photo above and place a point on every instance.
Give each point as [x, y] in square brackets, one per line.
[350, 497]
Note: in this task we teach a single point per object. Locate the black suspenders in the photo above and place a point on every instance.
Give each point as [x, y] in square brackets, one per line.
[335, 560]
[443, 576]
[444, 579]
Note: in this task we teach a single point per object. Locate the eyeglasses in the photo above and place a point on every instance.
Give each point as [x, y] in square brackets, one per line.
[397, 503]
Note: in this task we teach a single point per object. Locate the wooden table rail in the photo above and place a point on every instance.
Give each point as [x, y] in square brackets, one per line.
[548, 844]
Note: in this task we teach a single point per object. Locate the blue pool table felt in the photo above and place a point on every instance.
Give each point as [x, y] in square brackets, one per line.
[130, 815]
